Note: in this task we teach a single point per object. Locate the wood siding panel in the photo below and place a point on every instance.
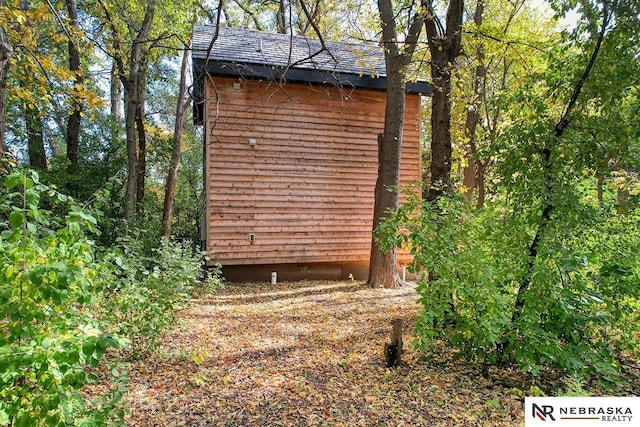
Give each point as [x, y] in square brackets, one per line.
[305, 189]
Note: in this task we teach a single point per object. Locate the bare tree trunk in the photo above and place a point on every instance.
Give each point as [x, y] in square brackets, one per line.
[74, 119]
[131, 108]
[116, 94]
[473, 113]
[142, 139]
[383, 270]
[170, 185]
[281, 18]
[53, 146]
[133, 97]
[441, 148]
[469, 171]
[600, 187]
[6, 52]
[444, 48]
[142, 159]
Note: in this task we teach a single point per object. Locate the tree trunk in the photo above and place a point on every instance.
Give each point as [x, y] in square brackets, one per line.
[480, 173]
[134, 97]
[116, 95]
[600, 187]
[6, 52]
[470, 170]
[35, 137]
[170, 185]
[142, 159]
[548, 161]
[383, 270]
[444, 46]
[441, 148]
[74, 119]
[142, 138]
[281, 20]
[444, 49]
[131, 108]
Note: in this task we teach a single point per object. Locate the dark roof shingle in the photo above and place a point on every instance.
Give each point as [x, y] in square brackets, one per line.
[235, 45]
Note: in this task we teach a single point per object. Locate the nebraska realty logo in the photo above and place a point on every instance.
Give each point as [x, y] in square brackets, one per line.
[582, 411]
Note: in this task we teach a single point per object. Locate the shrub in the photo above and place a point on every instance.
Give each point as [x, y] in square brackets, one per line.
[579, 304]
[48, 333]
[146, 288]
[64, 303]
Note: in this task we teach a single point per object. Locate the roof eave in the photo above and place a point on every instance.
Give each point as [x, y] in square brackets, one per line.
[289, 74]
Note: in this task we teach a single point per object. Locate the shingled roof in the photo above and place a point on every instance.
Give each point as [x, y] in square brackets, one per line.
[257, 55]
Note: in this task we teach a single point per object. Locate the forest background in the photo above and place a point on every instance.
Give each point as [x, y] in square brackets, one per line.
[528, 228]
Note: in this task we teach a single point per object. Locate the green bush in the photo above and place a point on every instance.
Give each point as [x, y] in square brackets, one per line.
[64, 303]
[48, 333]
[579, 307]
[146, 288]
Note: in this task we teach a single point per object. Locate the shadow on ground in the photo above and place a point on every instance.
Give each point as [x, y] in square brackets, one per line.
[309, 354]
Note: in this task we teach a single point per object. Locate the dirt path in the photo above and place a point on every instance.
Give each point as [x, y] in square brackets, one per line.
[306, 354]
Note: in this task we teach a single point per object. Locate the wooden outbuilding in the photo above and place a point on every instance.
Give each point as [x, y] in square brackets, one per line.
[290, 151]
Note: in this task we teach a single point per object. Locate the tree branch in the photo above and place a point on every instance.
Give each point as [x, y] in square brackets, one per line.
[246, 10]
[563, 123]
[546, 152]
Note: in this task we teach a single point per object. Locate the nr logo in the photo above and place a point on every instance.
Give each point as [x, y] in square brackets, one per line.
[542, 412]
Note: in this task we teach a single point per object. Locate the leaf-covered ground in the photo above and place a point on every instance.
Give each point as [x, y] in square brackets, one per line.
[310, 354]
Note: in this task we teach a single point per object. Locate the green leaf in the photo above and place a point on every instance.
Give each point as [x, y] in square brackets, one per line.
[35, 178]
[32, 196]
[88, 348]
[74, 228]
[31, 227]
[12, 180]
[106, 340]
[16, 219]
